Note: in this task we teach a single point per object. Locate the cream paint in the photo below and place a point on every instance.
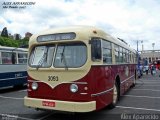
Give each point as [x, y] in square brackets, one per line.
[64, 76]
[61, 105]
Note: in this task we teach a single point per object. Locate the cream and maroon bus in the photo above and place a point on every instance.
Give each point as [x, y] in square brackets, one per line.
[78, 69]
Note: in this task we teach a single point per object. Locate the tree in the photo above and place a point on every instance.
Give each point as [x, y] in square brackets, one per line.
[4, 32]
[8, 42]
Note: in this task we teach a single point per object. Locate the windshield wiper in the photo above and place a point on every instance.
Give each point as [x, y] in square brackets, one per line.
[63, 58]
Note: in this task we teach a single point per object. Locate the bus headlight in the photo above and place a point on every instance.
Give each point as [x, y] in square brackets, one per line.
[34, 86]
[73, 88]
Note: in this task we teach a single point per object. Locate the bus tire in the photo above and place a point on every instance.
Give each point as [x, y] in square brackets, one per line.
[134, 81]
[115, 96]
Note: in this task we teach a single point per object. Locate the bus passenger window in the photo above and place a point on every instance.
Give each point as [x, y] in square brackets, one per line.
[130, 57]
[6, 57]
[22, 58]
[120, 55]
[127, 55]
[124, 56]
[96, 51]
[134, 58]
[107, 52]
[116, 52]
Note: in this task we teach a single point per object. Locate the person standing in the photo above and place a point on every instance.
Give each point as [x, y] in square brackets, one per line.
[153, 69]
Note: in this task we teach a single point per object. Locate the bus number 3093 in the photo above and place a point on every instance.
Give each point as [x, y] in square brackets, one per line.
[52, 78]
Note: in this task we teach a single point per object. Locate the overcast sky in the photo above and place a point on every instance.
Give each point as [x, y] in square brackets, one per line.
[130, 20]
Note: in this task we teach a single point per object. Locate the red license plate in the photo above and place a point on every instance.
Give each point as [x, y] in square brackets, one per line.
[48, 103]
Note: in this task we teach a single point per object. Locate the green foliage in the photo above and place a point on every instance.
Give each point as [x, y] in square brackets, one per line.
[4, 41]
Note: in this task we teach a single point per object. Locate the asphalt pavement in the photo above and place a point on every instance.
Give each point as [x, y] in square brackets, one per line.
[141, 102]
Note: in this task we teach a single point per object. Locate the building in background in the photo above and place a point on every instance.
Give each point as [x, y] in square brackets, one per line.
[151, 55]
[17, 36]
[28, 35]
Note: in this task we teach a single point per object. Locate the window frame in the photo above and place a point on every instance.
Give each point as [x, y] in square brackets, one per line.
[108, 47]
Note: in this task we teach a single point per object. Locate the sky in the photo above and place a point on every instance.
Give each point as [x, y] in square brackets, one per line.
[130, 20]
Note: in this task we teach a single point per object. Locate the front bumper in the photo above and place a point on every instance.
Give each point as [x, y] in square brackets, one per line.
[60, 105]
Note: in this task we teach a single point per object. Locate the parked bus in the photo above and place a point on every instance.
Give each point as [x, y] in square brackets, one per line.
[78, 69]
[13, 64]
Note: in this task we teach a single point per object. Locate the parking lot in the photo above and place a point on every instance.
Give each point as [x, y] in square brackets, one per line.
[140, 102]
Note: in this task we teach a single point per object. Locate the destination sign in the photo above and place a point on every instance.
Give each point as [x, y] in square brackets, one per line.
[56, 37]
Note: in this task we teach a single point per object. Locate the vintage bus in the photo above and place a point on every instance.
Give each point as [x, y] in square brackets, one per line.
[78, 69]
[13, 66]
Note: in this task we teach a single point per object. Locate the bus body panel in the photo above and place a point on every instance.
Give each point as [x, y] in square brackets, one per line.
[99, 82]
[13, 78]
[60, 105]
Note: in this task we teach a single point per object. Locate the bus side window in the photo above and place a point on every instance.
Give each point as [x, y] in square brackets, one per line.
[107, 51]
[117, 54]
[120, 54]
[22, 58]
[96, 51]
[7, 57]
[127, 55]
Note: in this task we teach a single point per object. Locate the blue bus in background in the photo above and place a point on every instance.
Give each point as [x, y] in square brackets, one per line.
[13, 66]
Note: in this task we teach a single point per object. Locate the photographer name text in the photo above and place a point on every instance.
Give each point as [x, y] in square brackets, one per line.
[139, 117]
[16, 5]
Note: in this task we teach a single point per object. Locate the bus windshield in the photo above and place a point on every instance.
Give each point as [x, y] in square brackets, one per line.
[41, 56]
[70, 55]
[66, 55]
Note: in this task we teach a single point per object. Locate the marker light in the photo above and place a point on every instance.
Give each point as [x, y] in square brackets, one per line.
[73, 88]
[94, 31]
[34, 86]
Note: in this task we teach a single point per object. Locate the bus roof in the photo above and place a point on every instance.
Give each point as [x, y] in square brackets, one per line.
[85, 31]
[13, 48]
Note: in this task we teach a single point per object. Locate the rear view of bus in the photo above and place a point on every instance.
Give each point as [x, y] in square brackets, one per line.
[66, 72]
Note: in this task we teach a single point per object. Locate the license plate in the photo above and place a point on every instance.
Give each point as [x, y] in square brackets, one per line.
[48, 103]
